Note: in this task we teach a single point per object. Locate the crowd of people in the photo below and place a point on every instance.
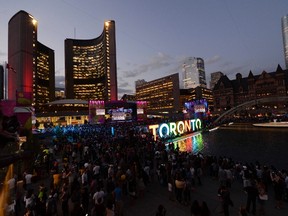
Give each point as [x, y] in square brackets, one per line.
[95, 170]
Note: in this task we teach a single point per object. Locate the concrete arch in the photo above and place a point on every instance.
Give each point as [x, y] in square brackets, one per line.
[250, 103]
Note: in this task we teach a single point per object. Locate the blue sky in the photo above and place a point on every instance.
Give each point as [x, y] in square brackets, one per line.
[154, 37]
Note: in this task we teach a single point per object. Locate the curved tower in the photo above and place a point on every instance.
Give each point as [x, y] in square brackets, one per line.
[31, 65]
[90, 66]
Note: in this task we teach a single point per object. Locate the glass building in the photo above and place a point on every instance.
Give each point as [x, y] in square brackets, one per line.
[285, 38]
[162, 95]
[31, 64]
[90, 67]
[193, 73]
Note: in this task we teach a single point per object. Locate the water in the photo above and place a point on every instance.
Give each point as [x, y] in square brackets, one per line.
[243, 142]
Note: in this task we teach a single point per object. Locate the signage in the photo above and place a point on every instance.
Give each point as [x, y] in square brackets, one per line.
[175, 128]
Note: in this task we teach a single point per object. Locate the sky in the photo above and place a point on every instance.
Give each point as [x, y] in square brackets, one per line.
[155, 37]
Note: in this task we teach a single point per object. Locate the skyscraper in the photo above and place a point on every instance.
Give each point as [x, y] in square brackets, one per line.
[285, 38]
[193, 73]
[30, 64]
[90, 67]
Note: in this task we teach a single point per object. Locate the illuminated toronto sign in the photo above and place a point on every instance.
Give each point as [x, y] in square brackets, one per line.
[175, 128]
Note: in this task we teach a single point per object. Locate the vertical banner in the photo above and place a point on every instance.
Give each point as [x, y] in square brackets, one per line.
[96, 111]
[141, 110]
[24, 99]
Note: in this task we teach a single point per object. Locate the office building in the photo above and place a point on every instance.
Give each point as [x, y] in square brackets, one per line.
[285, 38]
[31, 68]
[193, 73]
[90, 67]
[162, 95]
[2, 82]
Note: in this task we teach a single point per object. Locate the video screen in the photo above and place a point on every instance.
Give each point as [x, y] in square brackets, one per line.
[120, 114]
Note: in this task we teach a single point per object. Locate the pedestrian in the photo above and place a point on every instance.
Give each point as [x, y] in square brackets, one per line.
[51, 206]
[263, 197]
[161, 211]
[278, 185]
[204, 210]
[64, 197]
[195, 208]
[224, 194]
[252, 194]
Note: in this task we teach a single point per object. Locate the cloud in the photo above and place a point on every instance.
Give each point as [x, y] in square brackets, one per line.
[2, 53]
[123, 84]
[60, 81]
[157, 62]
[59, 71]
[214, 59]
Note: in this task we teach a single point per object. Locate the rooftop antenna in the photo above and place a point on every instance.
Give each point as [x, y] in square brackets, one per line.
[74, 33]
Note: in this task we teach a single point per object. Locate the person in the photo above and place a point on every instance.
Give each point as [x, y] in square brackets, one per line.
[51, 206]
[263, 197]
[278, 186]
[27, 181]
[117, 193]
[64, 197]
[179, 186]
[195, 208]
[170, 190]
[161, 211]
[204, 210]
[242, 211]
[224, 194]
[252, 194]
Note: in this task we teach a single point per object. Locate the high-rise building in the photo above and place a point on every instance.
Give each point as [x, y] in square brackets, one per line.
[162, 95]
[30, 65]
[285, 38]
[1, 82]
[193, 73]
[215, 76]
[90, 67]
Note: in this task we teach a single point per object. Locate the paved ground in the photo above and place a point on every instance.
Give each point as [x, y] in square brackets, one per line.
[157, 194]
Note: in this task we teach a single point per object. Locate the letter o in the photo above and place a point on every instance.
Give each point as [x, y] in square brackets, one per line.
[198, 124]
[178, 127]
[161, 128]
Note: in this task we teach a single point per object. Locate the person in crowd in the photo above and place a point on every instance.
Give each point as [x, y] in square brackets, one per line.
[51, 205]
[64, 198]
[179, 187]
[204, 210]
[195, 208]
[262, 196]
[161, 211]
[278, 186]
[252, 194]
[224, 194]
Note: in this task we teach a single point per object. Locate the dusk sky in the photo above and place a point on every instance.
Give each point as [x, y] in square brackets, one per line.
[154, 37]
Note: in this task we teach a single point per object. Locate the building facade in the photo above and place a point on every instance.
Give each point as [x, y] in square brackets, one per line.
[162, 95]
[30, 65]
[198, 93]
[193, 73]
[231, 93]
[215, 76]
[90, 67]
[285, 38]
[44, 89]
[2, 82]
